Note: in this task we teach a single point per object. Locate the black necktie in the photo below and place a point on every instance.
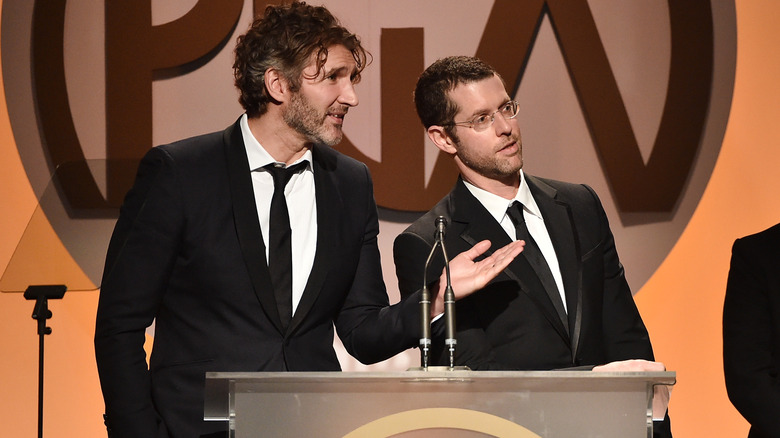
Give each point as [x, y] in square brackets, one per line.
[537, 261]
[279, 241]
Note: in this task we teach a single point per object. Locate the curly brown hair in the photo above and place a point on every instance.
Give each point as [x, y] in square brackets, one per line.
[284, 38]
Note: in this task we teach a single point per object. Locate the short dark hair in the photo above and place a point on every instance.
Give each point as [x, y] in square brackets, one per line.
[434, 107]
[284, 38]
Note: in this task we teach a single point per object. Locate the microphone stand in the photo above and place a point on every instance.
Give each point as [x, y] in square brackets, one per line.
[425, 317]
[449, 303]
[449, 295]
[41, 312]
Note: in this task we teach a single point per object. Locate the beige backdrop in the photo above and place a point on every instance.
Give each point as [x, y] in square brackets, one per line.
[681, 301]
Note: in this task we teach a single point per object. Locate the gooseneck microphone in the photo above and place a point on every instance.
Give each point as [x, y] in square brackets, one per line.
[425, 296]
[425, 315]
[441, 227]
[449, 295]
[449, 301]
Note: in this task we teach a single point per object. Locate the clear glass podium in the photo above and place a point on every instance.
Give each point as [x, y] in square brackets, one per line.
[517, 404]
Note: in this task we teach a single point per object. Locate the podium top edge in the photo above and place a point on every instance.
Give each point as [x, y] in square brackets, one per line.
[664, 378]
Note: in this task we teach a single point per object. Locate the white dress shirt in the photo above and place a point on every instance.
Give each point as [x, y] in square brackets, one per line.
[497, 207]
[301, 203]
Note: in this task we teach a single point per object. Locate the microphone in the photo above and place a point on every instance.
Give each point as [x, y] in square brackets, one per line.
[449, 295]
[425, 296]
[441, 226]
[425, 315]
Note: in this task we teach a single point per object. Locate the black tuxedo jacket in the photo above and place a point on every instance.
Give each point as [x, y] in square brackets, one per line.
[512, 323]
[751, 331]
[187, 252]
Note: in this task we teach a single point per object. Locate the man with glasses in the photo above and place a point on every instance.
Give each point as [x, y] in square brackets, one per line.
[564, 301]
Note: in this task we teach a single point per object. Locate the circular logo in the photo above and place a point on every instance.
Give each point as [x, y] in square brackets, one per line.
[441, 418]
[632, 101]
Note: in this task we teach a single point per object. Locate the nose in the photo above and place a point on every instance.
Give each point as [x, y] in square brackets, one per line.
[348, 94]
[501, 124]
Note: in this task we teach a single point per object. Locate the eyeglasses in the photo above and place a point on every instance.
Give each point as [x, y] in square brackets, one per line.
[484, 121]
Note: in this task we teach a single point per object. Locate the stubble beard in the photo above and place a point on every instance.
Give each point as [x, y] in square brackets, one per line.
[493, 166]
[307, 121]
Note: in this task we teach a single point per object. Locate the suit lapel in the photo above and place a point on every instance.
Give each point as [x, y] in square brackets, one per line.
[560, 225]
[477, 224]
[247, 223]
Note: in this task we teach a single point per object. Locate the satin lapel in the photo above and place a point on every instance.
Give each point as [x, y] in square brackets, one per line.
[329, 205]
[247, 224]
[478, 225]
[563, 233]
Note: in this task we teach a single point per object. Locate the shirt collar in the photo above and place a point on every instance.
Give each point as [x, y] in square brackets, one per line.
[497, 206]
[526, 198]
[257, 155]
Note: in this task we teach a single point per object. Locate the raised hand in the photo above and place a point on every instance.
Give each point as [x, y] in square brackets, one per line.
[468, 276]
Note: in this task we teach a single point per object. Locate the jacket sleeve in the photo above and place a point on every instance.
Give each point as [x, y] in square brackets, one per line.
[370, 328]
[141, 253]
[625, 334]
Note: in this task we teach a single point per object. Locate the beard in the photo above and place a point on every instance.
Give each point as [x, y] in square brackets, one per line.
[310, 123]
[491, 165]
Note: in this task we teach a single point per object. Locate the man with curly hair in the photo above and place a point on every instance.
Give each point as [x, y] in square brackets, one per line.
[236, 280]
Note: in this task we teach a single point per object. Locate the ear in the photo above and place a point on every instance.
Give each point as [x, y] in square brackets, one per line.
[276, 85]
[441, 139]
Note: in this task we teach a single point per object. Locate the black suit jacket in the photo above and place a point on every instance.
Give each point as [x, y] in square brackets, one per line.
[751, 331]
[512, 323]
[187, 251]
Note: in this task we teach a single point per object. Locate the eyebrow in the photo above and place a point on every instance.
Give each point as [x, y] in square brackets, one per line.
[339, 70]
[482, 111]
